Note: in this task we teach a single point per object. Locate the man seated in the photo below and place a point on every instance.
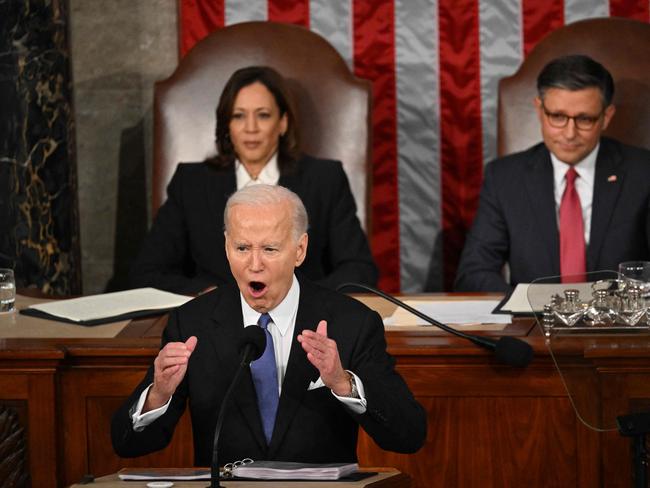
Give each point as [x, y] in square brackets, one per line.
[577, 202]
[326, 357]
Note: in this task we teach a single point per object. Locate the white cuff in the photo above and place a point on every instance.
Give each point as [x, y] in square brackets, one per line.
[141, 420]
[357, 405]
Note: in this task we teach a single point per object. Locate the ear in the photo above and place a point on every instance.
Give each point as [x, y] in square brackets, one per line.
[226, 246]
[301, 249]
[537, 102]
[607, 116]
[284, 124]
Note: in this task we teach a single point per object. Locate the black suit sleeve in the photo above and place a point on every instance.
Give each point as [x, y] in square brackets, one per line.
[393, 418]
[486, 248]
[157, 435]
[347, 254]
[164, 261]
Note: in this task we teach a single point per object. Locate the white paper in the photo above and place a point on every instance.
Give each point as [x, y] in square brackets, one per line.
[269, 470]
[531, 297]
[112, 304]
[449, 312]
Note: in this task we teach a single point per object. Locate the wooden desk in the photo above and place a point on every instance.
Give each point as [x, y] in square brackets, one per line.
[385, 478]
[489, 424]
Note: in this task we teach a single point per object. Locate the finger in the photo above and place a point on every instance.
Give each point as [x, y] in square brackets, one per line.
[322, 328]
[191, 343]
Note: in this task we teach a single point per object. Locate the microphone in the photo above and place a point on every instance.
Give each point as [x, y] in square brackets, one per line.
[251, 347]
[508, 350]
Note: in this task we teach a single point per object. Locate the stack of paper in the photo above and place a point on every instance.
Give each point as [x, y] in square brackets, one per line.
[108, 307]
[271, 470]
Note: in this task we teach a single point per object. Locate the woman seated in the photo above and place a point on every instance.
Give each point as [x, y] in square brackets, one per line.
[257, 142]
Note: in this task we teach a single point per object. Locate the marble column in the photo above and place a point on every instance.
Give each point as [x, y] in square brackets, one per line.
[39, 232]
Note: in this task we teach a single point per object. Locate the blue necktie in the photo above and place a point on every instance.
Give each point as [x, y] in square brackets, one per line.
[265, 377]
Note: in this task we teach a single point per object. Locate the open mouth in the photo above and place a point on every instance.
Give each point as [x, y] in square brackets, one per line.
[257, 288]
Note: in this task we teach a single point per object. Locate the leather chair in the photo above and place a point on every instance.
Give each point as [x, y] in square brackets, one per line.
[621, 45]
[333, 105]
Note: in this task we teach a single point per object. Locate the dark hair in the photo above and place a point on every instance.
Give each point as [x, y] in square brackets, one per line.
[576, 72]
[288, 146]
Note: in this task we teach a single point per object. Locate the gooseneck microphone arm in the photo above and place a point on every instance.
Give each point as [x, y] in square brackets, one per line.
[253, 342]
[507, 349]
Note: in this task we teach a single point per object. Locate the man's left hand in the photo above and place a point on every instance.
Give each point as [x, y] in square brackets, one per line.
[323, 353]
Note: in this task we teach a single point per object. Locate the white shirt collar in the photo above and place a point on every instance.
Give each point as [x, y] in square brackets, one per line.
[586, 168]
[269, 175]
[283, 315]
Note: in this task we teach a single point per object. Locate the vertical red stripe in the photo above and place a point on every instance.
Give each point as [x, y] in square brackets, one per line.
[460, 125]
[631, 9]
[197, 18]
[289, 11]
[540, 17]
[374, 59]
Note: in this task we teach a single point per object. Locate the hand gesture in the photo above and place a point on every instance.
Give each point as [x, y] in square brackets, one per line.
[323, 353]
[169, 369]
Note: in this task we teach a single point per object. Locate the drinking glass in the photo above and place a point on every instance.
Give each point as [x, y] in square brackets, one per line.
[7, 290]
[637, 273]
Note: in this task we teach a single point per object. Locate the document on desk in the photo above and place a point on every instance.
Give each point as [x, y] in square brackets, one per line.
[108, 307]
[273, 470]
[458, 314]
[529, 298]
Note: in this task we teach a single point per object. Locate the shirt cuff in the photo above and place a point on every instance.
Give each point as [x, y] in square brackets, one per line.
[356, 405]
[141, 420]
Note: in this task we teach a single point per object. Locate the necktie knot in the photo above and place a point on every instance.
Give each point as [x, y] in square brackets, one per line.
[571, 176]
[264, 320]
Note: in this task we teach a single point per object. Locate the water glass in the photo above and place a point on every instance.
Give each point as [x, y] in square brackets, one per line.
[637, 273]
[7, 290]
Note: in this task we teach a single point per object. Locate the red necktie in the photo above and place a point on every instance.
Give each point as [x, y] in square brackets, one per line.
[572, 233]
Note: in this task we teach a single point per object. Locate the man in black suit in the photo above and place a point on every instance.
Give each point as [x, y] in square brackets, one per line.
[520, 215]
[333, 370]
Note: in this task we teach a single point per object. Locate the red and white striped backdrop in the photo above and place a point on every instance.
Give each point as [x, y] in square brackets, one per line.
[434, 65]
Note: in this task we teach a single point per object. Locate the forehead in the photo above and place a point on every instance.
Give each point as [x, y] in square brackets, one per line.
[586, 100]
[255, 94]
[257, 221]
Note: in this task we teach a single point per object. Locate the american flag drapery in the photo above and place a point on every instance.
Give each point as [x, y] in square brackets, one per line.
[434, 66]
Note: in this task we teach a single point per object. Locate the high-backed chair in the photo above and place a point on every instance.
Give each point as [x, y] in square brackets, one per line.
[333, 105]
[621, 45]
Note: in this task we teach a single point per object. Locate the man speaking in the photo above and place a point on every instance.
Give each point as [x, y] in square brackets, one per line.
[324, 372]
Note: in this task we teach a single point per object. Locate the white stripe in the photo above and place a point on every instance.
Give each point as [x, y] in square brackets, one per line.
[418, 142]
[501, 54]
[244, 11]
[575, 10]
[333, 21]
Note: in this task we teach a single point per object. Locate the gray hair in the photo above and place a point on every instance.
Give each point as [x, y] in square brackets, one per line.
[262, 195]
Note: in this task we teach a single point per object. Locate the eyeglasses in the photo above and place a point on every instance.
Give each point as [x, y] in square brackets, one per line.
[560, 120]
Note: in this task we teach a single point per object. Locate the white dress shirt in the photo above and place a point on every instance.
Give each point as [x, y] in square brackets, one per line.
[270, 174]
[586, 170]
[281, 328]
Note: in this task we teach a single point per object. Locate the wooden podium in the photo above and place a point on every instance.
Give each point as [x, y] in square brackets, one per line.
[385, 478]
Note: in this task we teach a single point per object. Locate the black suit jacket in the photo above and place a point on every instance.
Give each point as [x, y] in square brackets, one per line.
[184, 251]
[516, 220]
[311, 426]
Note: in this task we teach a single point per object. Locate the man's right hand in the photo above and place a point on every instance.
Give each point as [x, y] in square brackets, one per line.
[169, 369]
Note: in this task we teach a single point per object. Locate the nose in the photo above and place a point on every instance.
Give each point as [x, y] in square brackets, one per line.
[570, 129]
[256, 262]
[251, 123]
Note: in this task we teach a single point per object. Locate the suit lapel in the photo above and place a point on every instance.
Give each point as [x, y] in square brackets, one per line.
[608, 181]
[219, 185]
[228, 330]
[540, 189]
[300, 372]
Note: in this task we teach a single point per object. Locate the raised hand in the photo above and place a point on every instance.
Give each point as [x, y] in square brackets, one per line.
[323, 353]
[169, 369]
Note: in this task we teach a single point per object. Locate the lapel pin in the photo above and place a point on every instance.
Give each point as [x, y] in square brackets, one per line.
[611, 178]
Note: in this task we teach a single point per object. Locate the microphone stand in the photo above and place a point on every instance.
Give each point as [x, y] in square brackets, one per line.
[508, 349]
[214, 471]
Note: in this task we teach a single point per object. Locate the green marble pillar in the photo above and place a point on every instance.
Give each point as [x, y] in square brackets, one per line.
[39, 221]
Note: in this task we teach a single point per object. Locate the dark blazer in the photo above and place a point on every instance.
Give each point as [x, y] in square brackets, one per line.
[311, 426]
[184, 251]
[516, 220]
